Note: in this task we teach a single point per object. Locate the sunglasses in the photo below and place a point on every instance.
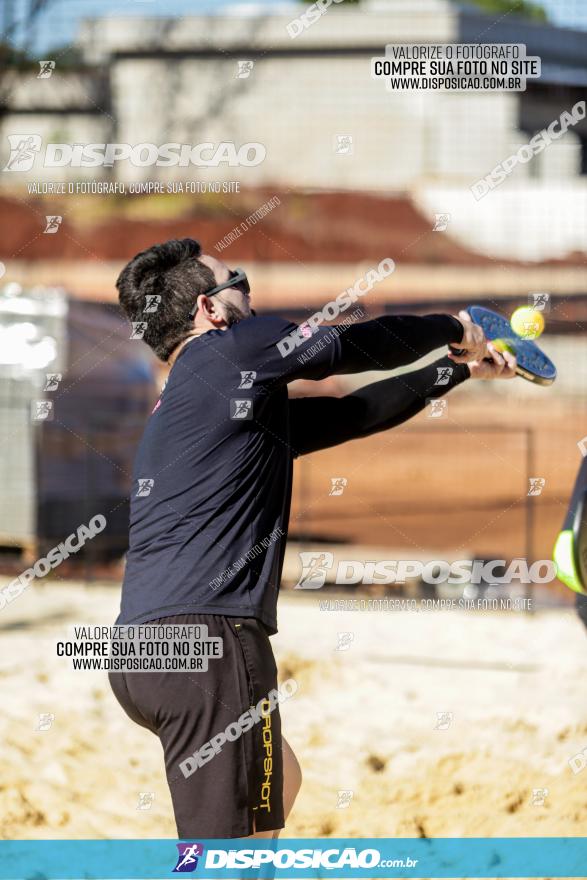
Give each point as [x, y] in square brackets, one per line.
[237, 278]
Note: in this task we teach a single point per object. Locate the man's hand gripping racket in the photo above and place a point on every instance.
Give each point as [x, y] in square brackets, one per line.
[484, 360]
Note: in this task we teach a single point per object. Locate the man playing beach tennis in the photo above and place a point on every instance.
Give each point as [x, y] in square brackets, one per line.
[207, 539]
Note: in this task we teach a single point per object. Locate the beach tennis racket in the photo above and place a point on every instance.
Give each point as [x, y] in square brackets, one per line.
[532, 363]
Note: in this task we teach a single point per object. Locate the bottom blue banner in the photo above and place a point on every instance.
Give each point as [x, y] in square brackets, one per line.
[540, 857]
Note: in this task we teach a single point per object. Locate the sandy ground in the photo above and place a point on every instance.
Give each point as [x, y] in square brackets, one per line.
[363, 721]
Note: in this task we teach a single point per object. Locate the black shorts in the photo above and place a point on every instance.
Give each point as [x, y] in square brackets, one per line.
[239, 790]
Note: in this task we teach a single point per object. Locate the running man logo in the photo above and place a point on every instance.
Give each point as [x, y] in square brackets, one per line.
[46, 720]
[47, 68]
[53, 222]
[540, 302]
[539, 796]
[345, 640]
[443, 720]
[441, 222]
[23, 149]
[146, 799]
[578, 762]
[244, 69]
[444, 374]
[152, 301]
[241, 409]
[343, 798]
[188, 855]
[537, 484]
[52, 381]
[247, 378]
[315, 568]
[343, 145]
[145, 486]
[338, 486]
[139, 328]
[437, 409]
[42, 410]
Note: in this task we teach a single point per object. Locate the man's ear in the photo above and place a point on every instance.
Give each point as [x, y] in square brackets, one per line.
[208, 309]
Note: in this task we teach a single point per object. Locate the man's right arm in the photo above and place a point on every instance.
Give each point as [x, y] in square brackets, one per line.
[282, 352]
[395, 341]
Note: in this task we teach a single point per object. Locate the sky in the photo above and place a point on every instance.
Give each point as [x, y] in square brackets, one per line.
[57, 26]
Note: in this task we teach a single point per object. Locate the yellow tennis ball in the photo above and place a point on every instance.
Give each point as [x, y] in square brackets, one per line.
[527, 322]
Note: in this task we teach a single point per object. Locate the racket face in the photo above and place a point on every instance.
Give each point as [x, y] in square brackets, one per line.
[533, 364]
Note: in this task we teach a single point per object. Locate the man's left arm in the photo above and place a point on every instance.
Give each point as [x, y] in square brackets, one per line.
[320, 422]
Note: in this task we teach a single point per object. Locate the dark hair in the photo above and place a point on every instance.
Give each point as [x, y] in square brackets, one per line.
[172, 272]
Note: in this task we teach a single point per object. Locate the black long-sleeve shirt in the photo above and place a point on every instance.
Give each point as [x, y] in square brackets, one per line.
[212, 477]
